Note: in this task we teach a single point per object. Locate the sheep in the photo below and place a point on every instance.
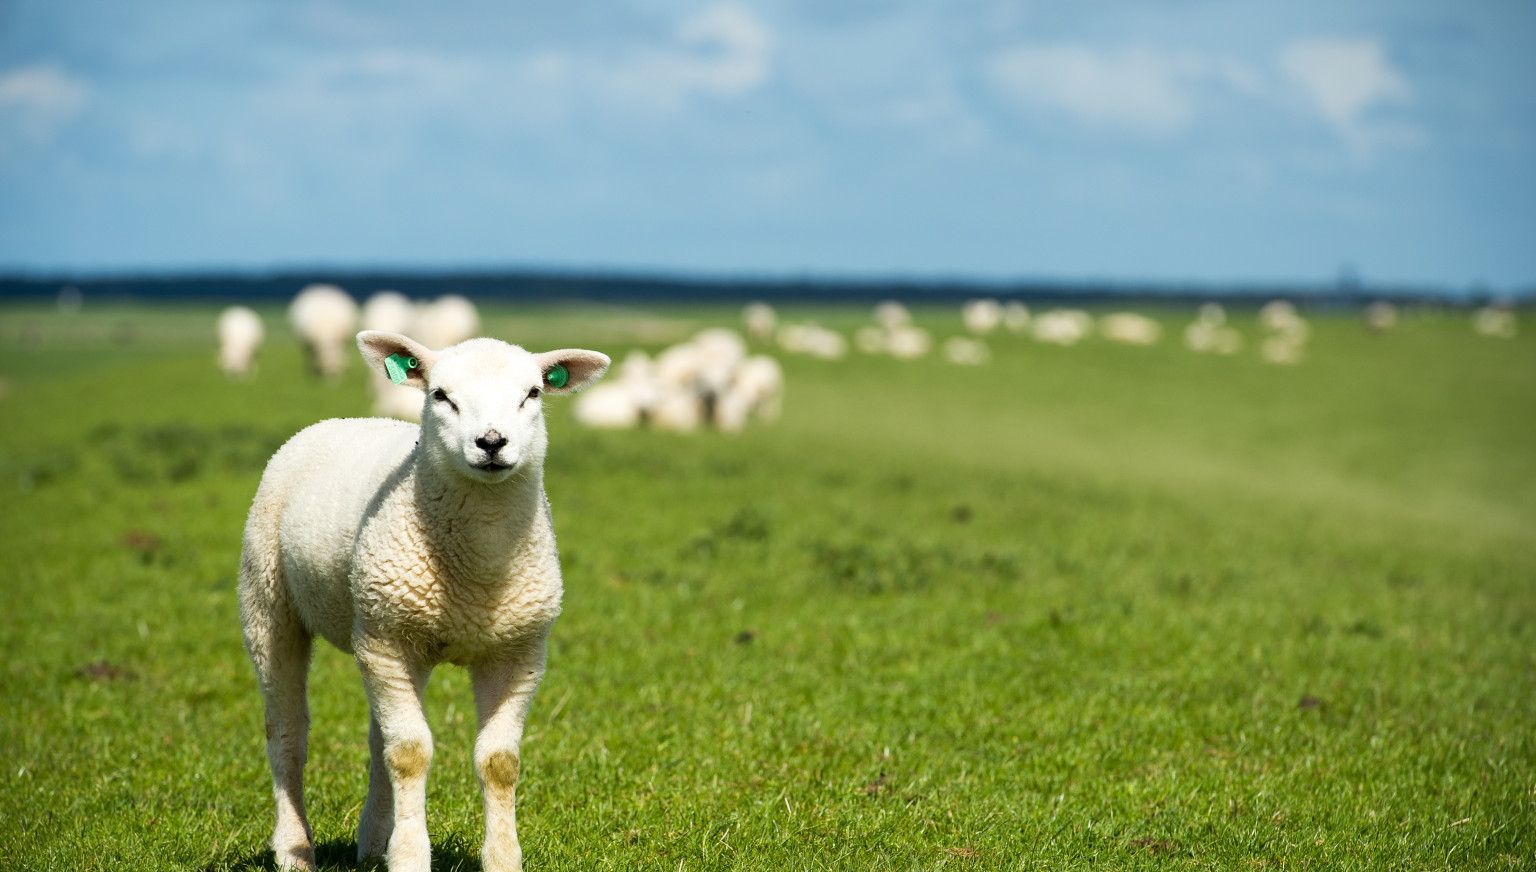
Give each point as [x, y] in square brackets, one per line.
[1015, 316]
[813, 340]
[446, 321]
[981, 316]
[966, 352]
[1497, 321]
[324, 316]
[1062, 326]
[869, 339]
[411, 546]
[1130, 328]
[905, 342]
[1282, 349]
[1210, 334]
[388, 311]
[240, 335]
[890, 314]
[757, 387]
[759, 320]
[625, 400]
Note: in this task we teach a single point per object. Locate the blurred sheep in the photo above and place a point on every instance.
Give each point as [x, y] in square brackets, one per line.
[1062, 326]
[1282, 349]
[1015, 316]
[1209, 334]
[908, 343]
[1497, 321]
[447, 321]
[1130, 328]
[966, 352]
[706, 381]
[890, 314]
[325, 319]
[813, 340]
[388, 311]
[760, 321]
[981, 316]
[240, 335]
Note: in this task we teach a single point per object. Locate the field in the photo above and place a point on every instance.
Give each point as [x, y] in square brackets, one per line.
[1097, 606]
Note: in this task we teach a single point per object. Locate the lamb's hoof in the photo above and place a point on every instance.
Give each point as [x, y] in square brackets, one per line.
[296, 858]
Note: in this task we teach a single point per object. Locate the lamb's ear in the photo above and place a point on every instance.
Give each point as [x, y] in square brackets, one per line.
[568, 370]
[400, 359]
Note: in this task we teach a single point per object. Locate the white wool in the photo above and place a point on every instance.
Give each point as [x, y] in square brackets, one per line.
[1130, 328]
[446, 321]
[813, 340]
[1015, 316]
[1062, 326]
[677, 409]
[759, 320]
[240, 334]
[981, 316]
[966, 352]
[1495, 321]
[891, 314]
[1212, 338]
[409, 547]
[718, 352]
[325, 318]
[908, 343]
[1278, 316]
[389, 311]
[1212, 313]
[612, 406]
[759, 385]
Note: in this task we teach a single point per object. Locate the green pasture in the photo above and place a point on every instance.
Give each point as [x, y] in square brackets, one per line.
[1091, 607]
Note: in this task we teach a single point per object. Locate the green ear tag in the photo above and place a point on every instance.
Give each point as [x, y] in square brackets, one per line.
[396, 366]
[557, 376]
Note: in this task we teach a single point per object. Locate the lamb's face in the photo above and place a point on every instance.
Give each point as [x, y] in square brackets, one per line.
[484, 412]
[484, 415]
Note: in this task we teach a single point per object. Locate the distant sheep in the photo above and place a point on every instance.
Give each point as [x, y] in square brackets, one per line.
[240, 335]
[981, 316]
[1062, 326]
[410, 547]
[707, 381]
[1380, 316]
[891, 314]
[1129, 328]
[906, 342]
[760, 321]
[1495, 321]
[1209, 334]
[325, 318]
[1015, 316]
[388, 311]
[446, 321]
[966, 352]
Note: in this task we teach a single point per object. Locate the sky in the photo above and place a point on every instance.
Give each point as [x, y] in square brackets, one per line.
[1122, 140]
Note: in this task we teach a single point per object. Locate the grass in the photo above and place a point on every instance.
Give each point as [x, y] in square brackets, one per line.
[1099, 606]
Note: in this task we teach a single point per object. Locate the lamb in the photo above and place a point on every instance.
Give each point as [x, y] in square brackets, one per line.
[324, 316]
[966, 352]
[760, 320]
[412, 546]
[1063, 327]
[240, 335]
[1130, 328]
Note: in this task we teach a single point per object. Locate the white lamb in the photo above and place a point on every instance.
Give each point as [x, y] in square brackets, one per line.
[890, 314]
[981, 316]
[240, 335]
[324, 317]
[906, 342]
[446, 321]
[1064, 327]
[756, 390]
[966, 352]
[411, 546]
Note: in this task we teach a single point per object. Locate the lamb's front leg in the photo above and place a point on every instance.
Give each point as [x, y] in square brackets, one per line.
[503, 690]
[395, 682]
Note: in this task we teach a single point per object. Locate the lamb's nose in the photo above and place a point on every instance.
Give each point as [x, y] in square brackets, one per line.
[491, 442]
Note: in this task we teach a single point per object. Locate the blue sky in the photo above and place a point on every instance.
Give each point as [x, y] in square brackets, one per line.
[1178, 140]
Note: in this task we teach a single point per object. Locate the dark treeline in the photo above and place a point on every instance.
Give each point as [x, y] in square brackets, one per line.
[568, 287]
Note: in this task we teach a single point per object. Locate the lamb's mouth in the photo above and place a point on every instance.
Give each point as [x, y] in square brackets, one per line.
[493, 466]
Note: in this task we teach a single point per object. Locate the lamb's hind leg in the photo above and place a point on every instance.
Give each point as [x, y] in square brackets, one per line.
[280, 647]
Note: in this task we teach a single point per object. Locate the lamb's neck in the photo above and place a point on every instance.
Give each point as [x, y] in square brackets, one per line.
[481, 530]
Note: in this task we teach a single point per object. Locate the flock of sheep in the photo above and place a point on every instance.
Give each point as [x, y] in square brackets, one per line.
[714, 380]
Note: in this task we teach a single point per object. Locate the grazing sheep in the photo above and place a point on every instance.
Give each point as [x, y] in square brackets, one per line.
[1210, 334]
[813, 340]
[625, 400]
[1015, 316]
[324, 317]
[1497, 321]
[891, 314]
[905, 342]
[1282, 349]
[1130, 328]
[758, 387]
[389, 312]
[1062, 326]
[1277, 315]
[966, 352]
[409, 547]
[760, 320]
[240, 335]
[981, 316]
[446, 321]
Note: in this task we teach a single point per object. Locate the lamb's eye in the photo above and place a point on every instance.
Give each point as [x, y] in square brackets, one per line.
[442, 397]
[533, 394]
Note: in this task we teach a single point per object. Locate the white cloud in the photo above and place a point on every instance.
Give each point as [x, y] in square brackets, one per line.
[1343, 79]
[1145, 90]
[35, 100]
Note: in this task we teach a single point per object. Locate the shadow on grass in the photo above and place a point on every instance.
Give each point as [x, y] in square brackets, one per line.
[452, 856]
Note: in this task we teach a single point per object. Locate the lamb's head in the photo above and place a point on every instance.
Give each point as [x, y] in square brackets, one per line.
[483, 416]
